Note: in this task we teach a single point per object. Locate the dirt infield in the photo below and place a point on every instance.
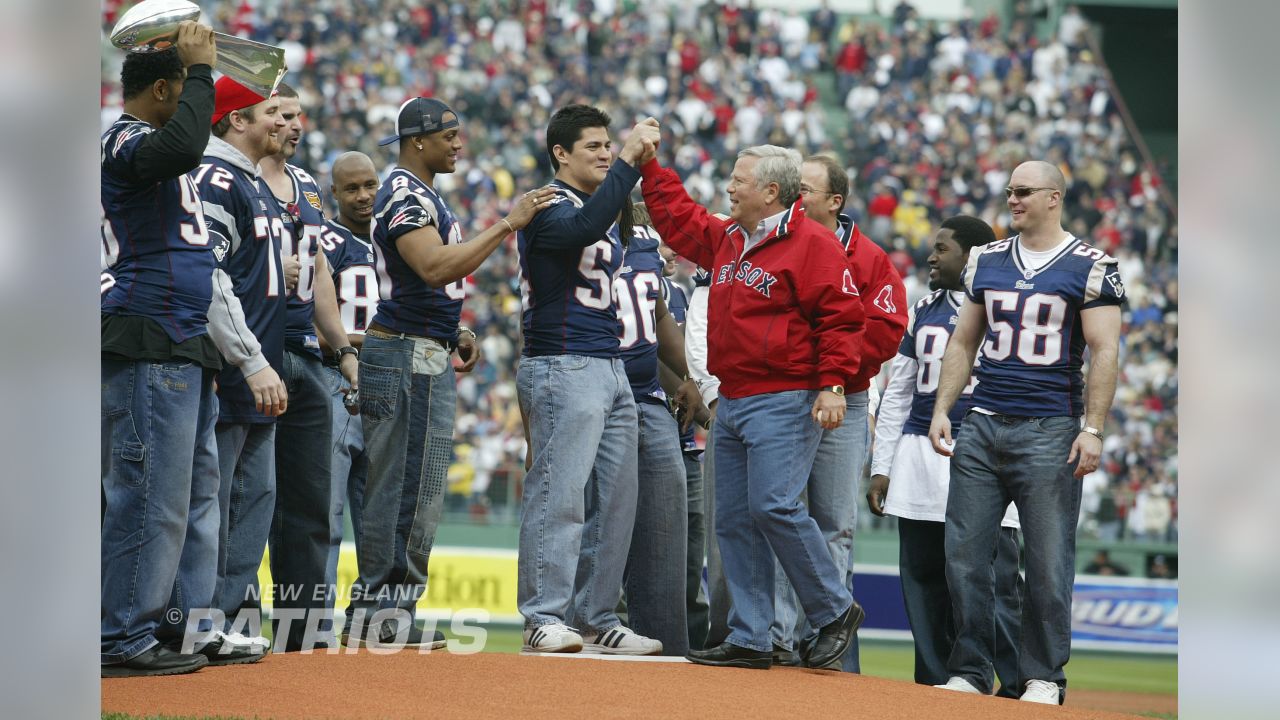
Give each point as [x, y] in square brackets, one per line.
[443, 686]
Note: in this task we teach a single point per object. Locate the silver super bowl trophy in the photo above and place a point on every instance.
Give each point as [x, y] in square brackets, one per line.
[152, 25]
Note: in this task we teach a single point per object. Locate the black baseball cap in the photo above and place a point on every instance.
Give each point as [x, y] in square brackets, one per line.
[421, 116]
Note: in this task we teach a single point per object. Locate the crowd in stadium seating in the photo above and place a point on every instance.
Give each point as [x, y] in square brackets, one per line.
[930, 118]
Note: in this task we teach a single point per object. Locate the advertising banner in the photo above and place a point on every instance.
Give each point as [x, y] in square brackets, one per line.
[1108, 613]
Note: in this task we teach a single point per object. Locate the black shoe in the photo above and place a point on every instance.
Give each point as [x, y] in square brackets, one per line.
[226, 652]
[785, 657]
[159, 660]
[730, 655]
[833, 639]
[415, 638]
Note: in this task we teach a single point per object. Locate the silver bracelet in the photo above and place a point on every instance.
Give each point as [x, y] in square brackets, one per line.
[508, 222]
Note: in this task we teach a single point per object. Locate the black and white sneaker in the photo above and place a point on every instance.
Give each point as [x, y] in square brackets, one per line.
[552, 638]
[620, 640]
[235, 649]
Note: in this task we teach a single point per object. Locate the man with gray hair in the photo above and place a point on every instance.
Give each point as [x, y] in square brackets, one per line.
[785, 325]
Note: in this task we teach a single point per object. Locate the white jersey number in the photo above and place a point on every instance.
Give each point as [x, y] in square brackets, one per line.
[269, 230]
[457, 289]
[931, 345]
[601, 296]
[357, 297]
[636, 309]
[1038, 338]
[306, 252]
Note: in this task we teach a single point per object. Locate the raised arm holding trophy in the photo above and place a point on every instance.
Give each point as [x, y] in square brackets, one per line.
[152, 25]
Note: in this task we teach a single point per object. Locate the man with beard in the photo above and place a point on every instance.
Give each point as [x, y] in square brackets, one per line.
[246, 320]
[299, 538]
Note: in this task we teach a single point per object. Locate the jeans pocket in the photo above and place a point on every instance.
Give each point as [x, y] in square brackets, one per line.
[131, 466]
[379, 391]
[429, 358]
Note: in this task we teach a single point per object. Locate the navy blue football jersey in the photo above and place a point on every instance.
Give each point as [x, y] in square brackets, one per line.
[351, 261]
[156, 253]
[929, 328]
[409, 305]
[1034, 348]
[678, 305]
[677, 301]
[638, 286]
[303, 224]
[246, 229]
[569, 256]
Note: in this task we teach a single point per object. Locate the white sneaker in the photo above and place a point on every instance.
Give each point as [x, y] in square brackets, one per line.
[242, 641]
[552, 638]
[1043, 692]
[621, 640]
[959, 684]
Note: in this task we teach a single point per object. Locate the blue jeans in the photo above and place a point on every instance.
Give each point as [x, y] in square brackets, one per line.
[695, 601]
[717, 590]
[832, 499]
[923, 563]
[579, 502]
[655, 573]
[247, 499]
[408, 398]
[765, 446]
[348, 466]
[160, 488]
[998, 459]
[300, 527]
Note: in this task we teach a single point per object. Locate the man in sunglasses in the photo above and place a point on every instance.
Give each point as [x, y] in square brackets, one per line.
[1039, 298]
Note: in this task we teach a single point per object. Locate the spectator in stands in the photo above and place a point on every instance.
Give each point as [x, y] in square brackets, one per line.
[1102, 564]
[510, 67]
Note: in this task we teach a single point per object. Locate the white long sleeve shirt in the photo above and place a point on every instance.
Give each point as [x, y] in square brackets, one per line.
[695, 345]
[895, 405]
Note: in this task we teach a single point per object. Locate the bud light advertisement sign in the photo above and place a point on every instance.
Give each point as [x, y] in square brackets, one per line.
[1107, 613]
[1125, 614]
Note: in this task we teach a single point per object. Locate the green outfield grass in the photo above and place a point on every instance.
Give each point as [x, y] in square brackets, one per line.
[895, 660]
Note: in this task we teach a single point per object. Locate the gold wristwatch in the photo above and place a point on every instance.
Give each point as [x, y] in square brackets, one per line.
[837, 389]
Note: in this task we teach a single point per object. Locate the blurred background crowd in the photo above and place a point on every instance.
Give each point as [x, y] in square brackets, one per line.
[929, 118]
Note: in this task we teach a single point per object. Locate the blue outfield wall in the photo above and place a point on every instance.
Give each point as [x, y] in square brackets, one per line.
[1134, 615]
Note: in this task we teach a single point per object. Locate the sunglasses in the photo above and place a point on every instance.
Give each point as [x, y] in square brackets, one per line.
[1022, 192]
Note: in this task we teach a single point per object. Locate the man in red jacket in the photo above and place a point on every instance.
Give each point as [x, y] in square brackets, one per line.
[784, 338]
[842, 454]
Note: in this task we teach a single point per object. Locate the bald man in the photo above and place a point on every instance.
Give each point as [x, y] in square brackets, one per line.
[347, 247]
[1038, 299]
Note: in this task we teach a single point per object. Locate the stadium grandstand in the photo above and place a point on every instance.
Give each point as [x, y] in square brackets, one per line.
[928, 113]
